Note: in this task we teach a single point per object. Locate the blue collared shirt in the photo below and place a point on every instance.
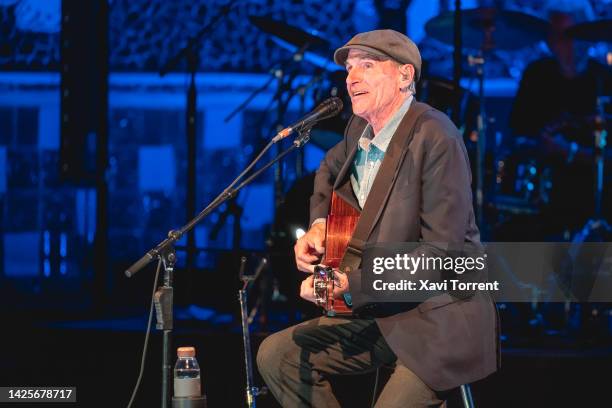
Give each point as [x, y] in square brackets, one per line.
[371, 152]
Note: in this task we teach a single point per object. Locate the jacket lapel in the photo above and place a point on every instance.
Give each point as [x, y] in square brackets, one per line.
[397, 147]
[342, 186]
[396, 152]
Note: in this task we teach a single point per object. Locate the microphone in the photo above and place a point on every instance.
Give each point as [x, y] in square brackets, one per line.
[328, 108]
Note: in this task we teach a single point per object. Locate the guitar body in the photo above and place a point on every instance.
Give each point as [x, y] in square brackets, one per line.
[341, 223]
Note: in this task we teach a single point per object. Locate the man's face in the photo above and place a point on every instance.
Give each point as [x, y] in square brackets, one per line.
[373, 85]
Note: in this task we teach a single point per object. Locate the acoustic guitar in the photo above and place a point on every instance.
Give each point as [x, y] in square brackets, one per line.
[341, 223]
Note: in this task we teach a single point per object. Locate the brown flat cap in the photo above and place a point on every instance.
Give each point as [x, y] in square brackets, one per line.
[385, 43]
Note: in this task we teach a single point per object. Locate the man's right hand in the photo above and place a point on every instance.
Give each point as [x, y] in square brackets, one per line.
[310, 248]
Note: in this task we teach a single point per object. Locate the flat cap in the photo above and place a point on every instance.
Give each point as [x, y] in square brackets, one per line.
[384, 43]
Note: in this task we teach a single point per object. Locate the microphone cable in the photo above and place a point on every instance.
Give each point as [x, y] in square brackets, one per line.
[146, 341]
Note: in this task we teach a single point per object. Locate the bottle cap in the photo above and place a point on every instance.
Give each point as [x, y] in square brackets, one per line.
[186, 351]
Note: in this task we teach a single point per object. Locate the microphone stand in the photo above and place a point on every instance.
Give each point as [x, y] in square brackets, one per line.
[190, 54]
[275, 73]
[251, 391]
[164, 252]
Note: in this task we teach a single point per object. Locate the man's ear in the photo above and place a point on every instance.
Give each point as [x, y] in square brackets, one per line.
[407, 72]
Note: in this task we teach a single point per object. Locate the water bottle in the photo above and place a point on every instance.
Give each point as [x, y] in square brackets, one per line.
[186, 374]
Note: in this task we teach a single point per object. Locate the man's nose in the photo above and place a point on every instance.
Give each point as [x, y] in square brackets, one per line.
[353, 76]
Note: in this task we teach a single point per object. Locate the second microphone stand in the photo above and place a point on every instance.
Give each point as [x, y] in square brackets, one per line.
[252, 391]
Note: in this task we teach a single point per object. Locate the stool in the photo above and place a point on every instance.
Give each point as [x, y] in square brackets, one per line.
[466, 391]
[466, 396]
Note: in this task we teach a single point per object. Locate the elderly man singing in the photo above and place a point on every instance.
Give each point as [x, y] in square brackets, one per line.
[437, 345]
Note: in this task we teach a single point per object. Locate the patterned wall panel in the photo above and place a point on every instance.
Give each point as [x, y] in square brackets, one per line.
[146, 33]
[21, 47]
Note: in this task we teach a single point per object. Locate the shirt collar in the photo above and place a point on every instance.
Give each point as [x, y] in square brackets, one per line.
[382, 139]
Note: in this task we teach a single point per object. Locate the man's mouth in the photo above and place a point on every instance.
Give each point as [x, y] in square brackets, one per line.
[359, 93]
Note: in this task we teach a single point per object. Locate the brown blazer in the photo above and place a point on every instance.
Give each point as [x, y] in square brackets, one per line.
[445, 341]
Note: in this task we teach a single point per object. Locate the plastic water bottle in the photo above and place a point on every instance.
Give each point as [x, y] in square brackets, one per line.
[186, 374]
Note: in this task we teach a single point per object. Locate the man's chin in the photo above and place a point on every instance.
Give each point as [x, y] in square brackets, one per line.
[361, 113]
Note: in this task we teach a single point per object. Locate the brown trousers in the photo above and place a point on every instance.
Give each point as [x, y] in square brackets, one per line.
[296, 363]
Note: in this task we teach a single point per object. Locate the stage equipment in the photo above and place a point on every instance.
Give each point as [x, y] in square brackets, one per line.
[285, 73]
[441, 93]
[251, 391]
[597, 228]
[190, 53]
[296, 41]
[327, 109]
[328, 79]
[164, 252]
[522, 179]
[600, 30]
[489, 28]
[485, 29]
[316, 50]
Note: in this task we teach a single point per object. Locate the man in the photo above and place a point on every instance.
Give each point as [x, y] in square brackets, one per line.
[555, 106]
[442, 343]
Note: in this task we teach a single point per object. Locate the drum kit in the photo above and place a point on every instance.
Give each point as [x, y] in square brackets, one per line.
[510, 179]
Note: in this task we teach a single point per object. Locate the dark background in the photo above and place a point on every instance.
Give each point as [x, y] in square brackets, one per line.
[85, 195]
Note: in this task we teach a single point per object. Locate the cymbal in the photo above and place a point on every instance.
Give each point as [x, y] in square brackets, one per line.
[600, 30]
[487, 28]
[293, 35]
[316, 50]
[318, 58]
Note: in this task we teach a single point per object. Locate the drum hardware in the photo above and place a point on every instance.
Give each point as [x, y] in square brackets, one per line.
[485, 29]
[297, 40]
[600, 135]
[481, 131]
[302, 44]
[309, 39]
[594, 31]
[579, 315]
[441, 93]
[599, 30]
[522, 183]
[317, 51]
[328, 79]
[331, 131]
[489, 28]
